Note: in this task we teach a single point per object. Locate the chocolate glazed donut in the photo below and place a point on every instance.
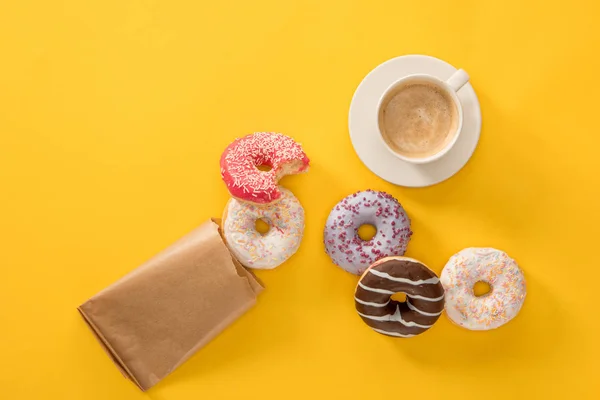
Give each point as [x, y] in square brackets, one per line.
[424, 297]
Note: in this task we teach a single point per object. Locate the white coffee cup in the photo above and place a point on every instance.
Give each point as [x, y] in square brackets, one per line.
[450, 87]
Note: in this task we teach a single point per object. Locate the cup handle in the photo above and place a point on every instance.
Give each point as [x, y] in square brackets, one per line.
[458, 80]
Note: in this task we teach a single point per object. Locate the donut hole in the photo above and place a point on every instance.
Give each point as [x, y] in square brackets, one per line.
[262, 226]
[481, 288]
[366, 232]
[264, 167]
[399, 297]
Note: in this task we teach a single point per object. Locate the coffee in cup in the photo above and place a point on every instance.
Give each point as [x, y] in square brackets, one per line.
[420, 116]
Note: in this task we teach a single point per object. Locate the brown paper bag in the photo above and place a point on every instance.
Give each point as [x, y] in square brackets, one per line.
[157, 316]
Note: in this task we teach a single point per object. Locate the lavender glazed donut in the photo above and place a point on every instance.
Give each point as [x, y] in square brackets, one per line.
[379, 209]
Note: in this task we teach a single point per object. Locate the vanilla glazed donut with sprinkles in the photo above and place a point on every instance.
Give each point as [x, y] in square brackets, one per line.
[264, 251]
[368, 207]
[241, 159]
[493, 309]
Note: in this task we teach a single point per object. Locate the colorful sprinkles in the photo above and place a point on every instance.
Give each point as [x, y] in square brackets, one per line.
[255, 250]
[494, 309]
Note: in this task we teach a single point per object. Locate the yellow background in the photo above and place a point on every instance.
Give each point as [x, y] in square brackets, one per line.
[113, 115]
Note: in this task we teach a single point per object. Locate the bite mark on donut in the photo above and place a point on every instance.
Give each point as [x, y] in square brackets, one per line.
[240, 161]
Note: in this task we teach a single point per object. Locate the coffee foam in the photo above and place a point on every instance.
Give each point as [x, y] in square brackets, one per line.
[418, 119]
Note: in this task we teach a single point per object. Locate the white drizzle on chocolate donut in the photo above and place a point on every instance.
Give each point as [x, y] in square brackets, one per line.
[424, 297]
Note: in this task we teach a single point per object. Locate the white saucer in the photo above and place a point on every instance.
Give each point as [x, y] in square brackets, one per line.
[362, 123]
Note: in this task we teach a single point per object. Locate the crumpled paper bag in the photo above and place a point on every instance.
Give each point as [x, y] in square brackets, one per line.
[160, 314]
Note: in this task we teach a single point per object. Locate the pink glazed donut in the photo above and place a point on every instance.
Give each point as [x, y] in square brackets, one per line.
[241, 158]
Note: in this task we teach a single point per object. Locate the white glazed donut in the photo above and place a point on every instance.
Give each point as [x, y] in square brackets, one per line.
[493, 309]
[264, 251]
